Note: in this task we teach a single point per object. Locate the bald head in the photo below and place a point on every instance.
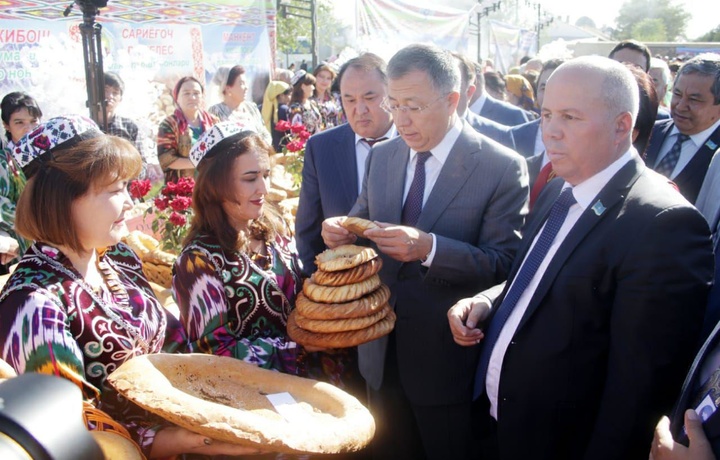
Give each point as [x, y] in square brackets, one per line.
[588, 115]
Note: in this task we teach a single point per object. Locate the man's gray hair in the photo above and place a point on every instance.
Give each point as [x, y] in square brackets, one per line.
[657, 63]
[619, 89]
[438, 64]
[704, 64]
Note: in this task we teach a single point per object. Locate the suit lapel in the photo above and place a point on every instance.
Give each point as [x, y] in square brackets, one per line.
[345, 158]
[609, 196]
[701, 159]
[395, 182]
[460, 163]
[656, 142]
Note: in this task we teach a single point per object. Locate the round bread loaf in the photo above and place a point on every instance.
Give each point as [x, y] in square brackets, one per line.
[349, 276]
[141, 243]
[358, 225]
[364, 306]
[344, 257]
[340, 325]
[338, 294]
[232, 405]
[340, 339]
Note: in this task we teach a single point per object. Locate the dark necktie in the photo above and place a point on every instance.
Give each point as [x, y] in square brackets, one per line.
[372, 142]
[669, 161]
[522, 280]
[546, 175]
[414, 201]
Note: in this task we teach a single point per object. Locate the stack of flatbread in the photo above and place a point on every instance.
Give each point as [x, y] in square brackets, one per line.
[157, 264]
[343, 304]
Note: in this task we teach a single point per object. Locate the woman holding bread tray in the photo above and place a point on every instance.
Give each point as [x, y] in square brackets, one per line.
[238, 275]
[78, 305]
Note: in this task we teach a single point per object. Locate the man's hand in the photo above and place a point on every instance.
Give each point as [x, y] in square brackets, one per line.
[334, 234]
[464, 317]
[664, 446]
[405, 244]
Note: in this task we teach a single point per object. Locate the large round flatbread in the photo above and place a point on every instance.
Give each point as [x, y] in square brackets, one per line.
[226, 399]
[344, 257]
[364, 306]
[340, 339]
[340, 325]
[358, 225]
[349, 276]
[329, 294]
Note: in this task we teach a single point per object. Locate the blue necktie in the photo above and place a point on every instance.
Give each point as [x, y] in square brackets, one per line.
[669, 161]
[414, 201]
[522, 280]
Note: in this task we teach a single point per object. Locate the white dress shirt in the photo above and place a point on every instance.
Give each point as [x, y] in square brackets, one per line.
[689, 147]
[362, 150]
[585, 194]
[539, 144]
[433, 165]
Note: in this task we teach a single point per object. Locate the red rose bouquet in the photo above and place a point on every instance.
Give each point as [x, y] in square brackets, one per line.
[294, 148]
[172, 210]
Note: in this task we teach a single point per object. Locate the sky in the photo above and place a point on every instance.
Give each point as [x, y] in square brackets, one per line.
[705, 13]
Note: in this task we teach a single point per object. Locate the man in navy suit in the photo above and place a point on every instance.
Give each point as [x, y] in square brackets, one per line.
[587, 343]
[495, 131]
[528, 136]
[681, 148]
[498, 111]
[335, 159]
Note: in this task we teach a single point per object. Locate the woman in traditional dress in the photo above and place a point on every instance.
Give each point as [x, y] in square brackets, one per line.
[20, 115]
[303, 110]
[234, 106]
[178, 132]
[238, 275]
[327, 100]
[78, 304]
[275, 108]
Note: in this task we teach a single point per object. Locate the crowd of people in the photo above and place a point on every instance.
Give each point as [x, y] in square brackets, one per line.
[550, 257]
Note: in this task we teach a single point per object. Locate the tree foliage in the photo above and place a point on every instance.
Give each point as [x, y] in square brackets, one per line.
[650, 30]
[633, 12]
[290, 28]
[712, 36]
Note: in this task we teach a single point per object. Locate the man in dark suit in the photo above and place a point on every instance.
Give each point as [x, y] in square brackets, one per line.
[335, 159]
[586, 345]
[449, 205]
[495, 131]
[681, 148]
[498, 111]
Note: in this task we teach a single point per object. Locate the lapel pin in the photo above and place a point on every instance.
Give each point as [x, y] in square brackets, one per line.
[599, 208]
[711, 145]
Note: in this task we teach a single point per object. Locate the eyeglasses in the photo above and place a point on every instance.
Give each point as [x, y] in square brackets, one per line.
[407, 109]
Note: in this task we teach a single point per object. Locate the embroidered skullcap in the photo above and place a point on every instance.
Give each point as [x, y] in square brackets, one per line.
[221, 134]
[299, 75]
[50, 138]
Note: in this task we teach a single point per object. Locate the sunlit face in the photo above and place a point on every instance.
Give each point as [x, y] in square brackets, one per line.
[99, 215]
[542, 81]
[113, 96]
[250, 179]
[190, 97]
[581, 138]
[237, 91]
[692, 106]
[362, 92]
[659, 82]
[422, 130]
[21, 123]
[324, 81]
[308, 90]
[632, 56]
[511, 98]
